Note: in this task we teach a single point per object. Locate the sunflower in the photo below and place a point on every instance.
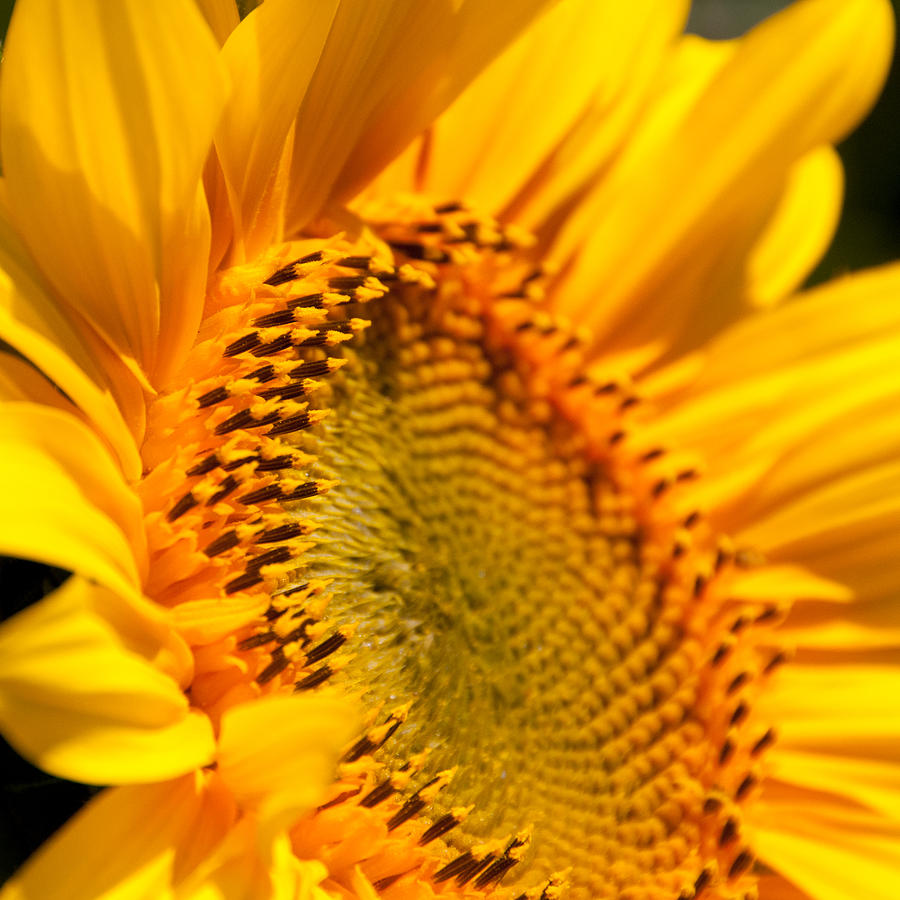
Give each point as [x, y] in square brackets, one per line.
[459, 497]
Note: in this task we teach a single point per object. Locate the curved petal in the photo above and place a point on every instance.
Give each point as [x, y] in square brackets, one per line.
[64, 348]
[222, 16]
[364, 104]
[245, 868]
[102, 150]
[63, 500]
[20, 380]
[278, 753]
[791, 399]
[80, 705]
[582, 58]
[799, 80]
[827, 854]
[129, 843]
[801, 229]
[271, 57]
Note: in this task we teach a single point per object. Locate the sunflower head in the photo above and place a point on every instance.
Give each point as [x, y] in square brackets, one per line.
[440, 528]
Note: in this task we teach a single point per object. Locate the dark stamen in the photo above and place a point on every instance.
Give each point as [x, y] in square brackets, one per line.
[281, 533]
[442, 826]
[377, 794]
[204, 466]
[272, 319]
[290, 424]
[326, 648]
[285, 461]
[282, 342]
[222, 543]
[242, 582]
[412, 807]
[210, 398]
[278, 664]
[314, 679]
[257, 640]
[242, 344]
[225, 488]
[188, 501]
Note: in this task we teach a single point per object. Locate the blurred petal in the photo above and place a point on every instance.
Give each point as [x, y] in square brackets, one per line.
[243, 869]
[792, 399]
[829, 856]
[77, 703]
[129, 843]
[102, 151]
[278, 754]
[222, 16]
[798, 234]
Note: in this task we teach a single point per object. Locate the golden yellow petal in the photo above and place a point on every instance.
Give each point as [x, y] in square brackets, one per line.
[272, 54]
[245, 868]
[873, 783]
[102, 152]
[19, 380]
[67, 351]
[791, 399]
[801, 229]
[222, 16]
[850, 710]
[799, 80]
[62, 500]
[388, 69]
[829, 858]
[582, 58]
[77, 703]
[278, 753]
[129, 843]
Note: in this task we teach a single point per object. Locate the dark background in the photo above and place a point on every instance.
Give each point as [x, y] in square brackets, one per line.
[33, 805]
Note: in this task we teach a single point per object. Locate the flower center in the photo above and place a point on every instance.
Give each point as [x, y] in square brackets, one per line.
[435, 509]
[496, 578]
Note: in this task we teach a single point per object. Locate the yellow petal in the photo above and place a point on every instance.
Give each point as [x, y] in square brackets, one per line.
[103, 147]
[77, 703]
[63, 500]
[130, 843]
[244, 867]
[800, 231]
[581, 58]
[847, 512]
[829, 858]
[19, 380]
[799, 80]
[222, 16]
[852, 710]
[388, 69]
[48, 516]
[791, 399]
[874, 783]
[278, 753]
[270, 58]
[67, 352]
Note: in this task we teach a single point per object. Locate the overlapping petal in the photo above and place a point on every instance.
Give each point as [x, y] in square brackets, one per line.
[387, 70]
[644, 281]
[102, 152]
[81, 705]
[131, 842]
[62, 500]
